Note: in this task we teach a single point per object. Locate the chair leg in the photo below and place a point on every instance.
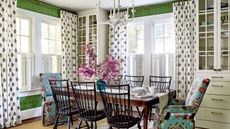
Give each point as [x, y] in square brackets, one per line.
[95, 125]
[56, 121]
[150, 114]
[87, 124]
[69, 122]
[139, 126]
[91, 124]
[71, 118]
[79, 125]
[138, 110]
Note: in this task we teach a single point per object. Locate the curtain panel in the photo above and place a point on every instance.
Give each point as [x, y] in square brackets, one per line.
[185, 29]
[9, 99]
[118, 44]
[69, 44]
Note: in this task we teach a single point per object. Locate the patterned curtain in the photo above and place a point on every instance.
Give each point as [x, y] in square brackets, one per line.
[118, 44]
[185, 27]
[9, 99]
[69, 45]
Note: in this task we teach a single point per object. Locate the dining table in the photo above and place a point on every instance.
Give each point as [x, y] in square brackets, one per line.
[145, 102]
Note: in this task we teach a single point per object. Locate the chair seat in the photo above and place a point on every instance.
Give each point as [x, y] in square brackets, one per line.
[155, 106]
[64, 111]
[124, 121]
[91, 115]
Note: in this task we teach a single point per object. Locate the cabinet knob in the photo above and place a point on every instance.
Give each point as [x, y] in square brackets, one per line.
[214, 99]
[218, 86]
[216, 113]
[217, 77]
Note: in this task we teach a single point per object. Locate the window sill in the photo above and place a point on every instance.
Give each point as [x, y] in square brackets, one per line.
[29, 92]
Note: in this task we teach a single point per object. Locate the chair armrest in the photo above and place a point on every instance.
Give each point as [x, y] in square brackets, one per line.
[181, 109]
[185, 116]
[176, 101]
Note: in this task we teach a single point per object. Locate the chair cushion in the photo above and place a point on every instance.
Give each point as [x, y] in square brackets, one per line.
[197, 91]
[44, 81]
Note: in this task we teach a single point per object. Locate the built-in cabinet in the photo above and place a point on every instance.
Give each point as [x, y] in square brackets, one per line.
[214, 62]
[93, 33]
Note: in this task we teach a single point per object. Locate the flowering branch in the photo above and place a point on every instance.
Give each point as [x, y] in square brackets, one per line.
[105, 70]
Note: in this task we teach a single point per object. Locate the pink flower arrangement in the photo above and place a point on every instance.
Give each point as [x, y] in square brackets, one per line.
[105, 70]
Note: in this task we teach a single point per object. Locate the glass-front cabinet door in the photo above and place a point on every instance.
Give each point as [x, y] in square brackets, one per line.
[224, 12]
[206, 46]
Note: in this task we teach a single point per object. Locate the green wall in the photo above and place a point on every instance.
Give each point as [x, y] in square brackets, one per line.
[29, 102]
[153, 9]
[39, 7]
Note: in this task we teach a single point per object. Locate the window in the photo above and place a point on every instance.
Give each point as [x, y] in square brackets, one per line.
[51, 47]
[163, 38]
[25, 55]
[151, 46]
[135, 48]
[163, 54]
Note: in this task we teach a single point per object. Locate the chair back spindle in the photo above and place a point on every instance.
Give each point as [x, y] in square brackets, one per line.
[134, 81]
[162, 83]
[61, 95]
[117, 110]
[85, 94]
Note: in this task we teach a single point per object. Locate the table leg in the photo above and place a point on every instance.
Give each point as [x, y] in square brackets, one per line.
[145, 117]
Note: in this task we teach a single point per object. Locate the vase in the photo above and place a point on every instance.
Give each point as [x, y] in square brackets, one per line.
[102, 82]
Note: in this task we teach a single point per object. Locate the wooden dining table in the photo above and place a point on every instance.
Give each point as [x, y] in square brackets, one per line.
[146, 103]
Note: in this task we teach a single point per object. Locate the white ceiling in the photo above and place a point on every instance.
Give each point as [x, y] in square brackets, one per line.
[76, 5]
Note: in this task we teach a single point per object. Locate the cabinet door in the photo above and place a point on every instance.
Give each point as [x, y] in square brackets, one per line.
[81, 40]
[93, 30]
[206, 38]
[224, 27]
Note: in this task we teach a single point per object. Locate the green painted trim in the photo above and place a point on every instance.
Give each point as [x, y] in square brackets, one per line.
[154, 9]
[39, 7]
[29, 102]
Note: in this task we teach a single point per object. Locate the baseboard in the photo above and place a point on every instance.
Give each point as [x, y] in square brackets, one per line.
[31, 113]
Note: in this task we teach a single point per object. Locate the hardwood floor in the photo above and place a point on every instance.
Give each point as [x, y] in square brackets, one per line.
[37, 124]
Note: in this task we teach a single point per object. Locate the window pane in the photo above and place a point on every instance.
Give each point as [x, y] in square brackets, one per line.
[52, 32]
[24, 44]
[45, 46]
[52, 47]
[44, 30]
[158, 30]
[58, 46]
[159, 45]
[169, 45]
[25, 27]
[55, 64]
[168, 29]
[136, 38]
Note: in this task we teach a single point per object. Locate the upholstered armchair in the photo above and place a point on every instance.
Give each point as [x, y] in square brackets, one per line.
[180, 113]
[48, 106]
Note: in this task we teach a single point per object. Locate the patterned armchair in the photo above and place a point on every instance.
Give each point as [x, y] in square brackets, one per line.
[180, 113]
[48, 106]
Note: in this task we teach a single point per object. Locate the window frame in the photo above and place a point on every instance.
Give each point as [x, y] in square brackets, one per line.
[37, 19]
[148, 40]
[26, 57]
